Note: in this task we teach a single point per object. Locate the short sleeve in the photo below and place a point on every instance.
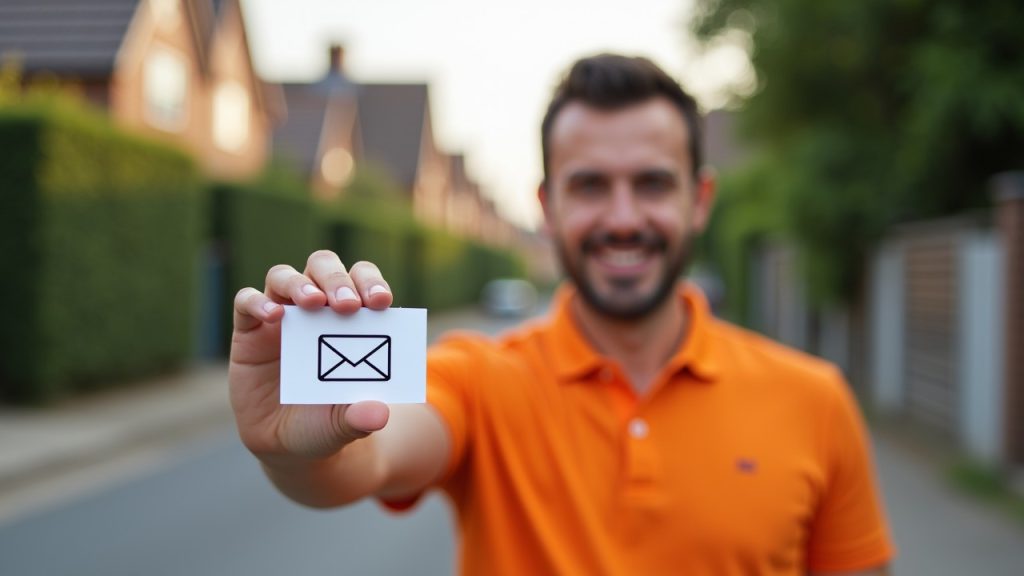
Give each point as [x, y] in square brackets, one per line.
[849, 530]
[450, 387]
[449, 392]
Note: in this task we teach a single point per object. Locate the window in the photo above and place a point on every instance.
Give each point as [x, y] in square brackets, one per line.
[230, 116]
[165, 89]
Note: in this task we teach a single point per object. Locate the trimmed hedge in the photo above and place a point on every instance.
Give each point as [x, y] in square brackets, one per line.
[257, 227]
[98, 235]
[426, 267]
[101, 234]
[376, 241]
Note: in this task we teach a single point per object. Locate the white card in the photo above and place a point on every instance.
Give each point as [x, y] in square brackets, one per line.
[327, 358]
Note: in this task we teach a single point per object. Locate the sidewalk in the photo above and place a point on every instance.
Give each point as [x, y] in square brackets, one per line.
[938, 530]
[41, 442]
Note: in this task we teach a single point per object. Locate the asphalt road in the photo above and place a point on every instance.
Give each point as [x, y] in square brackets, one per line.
[210, 511]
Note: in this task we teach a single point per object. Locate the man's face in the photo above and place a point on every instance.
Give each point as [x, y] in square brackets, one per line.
[621, 203]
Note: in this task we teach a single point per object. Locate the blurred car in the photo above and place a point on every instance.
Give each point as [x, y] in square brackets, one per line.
[508, 297]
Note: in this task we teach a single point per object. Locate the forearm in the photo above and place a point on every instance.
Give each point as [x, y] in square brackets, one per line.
[353, 473]
[397, 462]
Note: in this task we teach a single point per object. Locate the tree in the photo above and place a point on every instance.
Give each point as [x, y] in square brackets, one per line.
[874, 112]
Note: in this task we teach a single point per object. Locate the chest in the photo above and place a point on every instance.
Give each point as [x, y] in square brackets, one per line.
[691, 472]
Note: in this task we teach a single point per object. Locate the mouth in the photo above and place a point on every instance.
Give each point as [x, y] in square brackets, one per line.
[622, 257]
[626, 256]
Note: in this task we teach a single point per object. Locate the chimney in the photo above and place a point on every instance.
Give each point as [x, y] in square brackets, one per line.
[337, 52]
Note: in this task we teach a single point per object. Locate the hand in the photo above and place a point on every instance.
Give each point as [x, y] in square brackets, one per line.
[283, 435]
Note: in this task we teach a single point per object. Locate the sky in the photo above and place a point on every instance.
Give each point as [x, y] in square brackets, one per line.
[491, 66]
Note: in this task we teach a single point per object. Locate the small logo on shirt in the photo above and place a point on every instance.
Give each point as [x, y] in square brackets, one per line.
[746, 465]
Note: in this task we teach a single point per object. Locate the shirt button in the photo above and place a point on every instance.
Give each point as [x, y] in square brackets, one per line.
[638, 428]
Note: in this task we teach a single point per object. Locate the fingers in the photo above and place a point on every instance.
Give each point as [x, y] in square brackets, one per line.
[374, 291]
[285, 285]
[324, 281]
[253, 307]
[326, 270]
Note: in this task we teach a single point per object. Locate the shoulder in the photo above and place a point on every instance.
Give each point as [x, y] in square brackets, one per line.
[478, 351]
[759, 360]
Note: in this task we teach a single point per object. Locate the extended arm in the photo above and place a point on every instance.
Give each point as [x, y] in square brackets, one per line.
[325, 455]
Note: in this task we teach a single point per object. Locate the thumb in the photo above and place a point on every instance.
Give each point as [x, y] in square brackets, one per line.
[360, 419]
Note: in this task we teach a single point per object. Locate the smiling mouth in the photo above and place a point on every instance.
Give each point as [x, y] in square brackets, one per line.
[626, 255]
[623, 258]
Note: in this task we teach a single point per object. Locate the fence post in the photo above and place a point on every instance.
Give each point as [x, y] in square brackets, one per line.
[1008, 193]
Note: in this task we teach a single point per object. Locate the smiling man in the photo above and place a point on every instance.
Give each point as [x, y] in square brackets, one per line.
[628, 433]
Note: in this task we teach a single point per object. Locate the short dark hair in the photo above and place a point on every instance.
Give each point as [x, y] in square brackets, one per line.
[611, 81]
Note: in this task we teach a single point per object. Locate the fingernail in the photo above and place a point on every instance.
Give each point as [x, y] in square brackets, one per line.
[345, 293]
[378, 289]
[269, 307]
[310, 289]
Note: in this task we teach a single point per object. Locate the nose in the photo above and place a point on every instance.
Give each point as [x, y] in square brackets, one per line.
[624, 215]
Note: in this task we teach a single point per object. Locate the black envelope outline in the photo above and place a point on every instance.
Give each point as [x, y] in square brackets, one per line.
[326, 377]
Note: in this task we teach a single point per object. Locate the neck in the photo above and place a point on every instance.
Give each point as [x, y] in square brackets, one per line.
[640, 346]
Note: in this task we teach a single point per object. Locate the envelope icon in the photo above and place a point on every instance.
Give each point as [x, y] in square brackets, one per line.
[354, 358]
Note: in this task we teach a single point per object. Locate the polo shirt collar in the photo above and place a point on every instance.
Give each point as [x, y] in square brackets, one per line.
[574, 357]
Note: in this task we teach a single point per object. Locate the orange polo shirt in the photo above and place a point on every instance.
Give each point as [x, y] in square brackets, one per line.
[745, 457]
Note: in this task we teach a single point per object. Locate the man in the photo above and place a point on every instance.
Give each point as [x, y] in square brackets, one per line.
[631, 432]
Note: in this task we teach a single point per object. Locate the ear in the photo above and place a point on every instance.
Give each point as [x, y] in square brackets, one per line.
[544, 197]
[704, 199]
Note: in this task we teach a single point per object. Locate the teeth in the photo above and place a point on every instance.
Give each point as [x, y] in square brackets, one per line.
[623, 257]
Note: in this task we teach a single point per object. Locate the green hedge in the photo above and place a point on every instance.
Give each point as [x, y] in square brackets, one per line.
[101, 235]
[256, 227]
[378, 242]
[259, 227]
[98, 238]
[426, 267]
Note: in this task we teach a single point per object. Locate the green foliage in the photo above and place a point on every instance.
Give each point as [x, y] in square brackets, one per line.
[425, 267]
[356, 236]
[256, 227]
[745, 213]
[444, 273]
[373, 184]
[99, 234]
[281, 179]
[875, 112]
[988, 484]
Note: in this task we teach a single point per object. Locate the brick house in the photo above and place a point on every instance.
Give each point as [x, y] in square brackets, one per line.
[334, 124]
[174, 69]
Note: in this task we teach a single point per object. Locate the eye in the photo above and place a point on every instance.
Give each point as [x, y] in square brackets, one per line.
[588, 185]
[655, 183]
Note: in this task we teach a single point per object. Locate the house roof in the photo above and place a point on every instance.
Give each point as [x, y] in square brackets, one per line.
[391, 121]
[297, 139]
[64, 36]
[392, 118]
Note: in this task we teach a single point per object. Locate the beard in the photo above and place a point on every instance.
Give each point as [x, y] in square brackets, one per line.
[624, 301]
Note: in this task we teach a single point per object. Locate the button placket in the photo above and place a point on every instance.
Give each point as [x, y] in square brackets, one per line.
[643, 457]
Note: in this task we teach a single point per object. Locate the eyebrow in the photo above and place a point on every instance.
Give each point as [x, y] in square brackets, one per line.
[583, 176]
[656, 173]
